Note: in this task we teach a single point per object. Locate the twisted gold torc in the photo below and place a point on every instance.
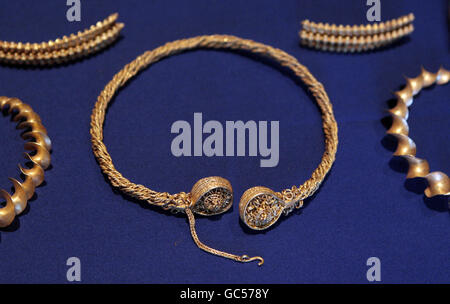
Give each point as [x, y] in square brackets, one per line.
[213, 195]
[438, 182]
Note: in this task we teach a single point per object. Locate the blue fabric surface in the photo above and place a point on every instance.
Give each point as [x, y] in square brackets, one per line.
[364, 208]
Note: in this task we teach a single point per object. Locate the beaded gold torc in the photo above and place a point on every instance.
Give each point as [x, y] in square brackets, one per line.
[64, 49]
[355, 38]
[259, 207]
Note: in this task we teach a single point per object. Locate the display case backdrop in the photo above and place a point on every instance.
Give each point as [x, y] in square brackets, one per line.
[365, 207]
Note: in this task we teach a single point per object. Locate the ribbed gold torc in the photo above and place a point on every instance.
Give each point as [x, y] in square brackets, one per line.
[64, 49]
[218, 190]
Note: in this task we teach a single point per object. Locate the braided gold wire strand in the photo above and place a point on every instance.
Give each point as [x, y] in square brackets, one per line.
[181, 201]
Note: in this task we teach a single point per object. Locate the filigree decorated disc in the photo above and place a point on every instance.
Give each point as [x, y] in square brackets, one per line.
[211, 195]
[260, 208]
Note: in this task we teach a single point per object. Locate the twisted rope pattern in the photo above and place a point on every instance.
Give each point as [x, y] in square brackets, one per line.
[180, 201]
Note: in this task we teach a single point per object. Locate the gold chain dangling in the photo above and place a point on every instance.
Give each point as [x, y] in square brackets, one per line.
[238, 258]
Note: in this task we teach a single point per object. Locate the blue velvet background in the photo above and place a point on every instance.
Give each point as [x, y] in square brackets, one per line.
[364, 208]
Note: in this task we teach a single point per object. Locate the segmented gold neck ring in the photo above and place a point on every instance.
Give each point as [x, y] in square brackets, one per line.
[260, 207]
[354, 38]
[62, 50]
[40, 145]
[438, 182]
